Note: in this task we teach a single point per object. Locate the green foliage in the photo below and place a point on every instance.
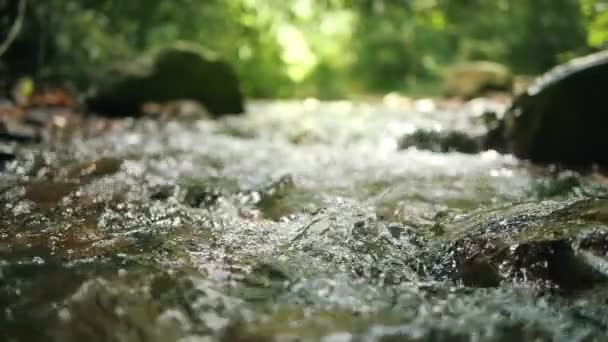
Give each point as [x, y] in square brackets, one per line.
[310, 48]
[596, 15]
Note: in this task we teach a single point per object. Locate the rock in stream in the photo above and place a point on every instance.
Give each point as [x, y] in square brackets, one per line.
[563, 117]
[176, 72]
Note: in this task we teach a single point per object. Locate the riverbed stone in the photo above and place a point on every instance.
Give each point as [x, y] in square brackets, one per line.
[563, 116]
[176, 72]
[441, 141]
[555, 245]
[92, 312]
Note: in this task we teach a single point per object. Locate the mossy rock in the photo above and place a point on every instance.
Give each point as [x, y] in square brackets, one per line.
[563, 115]
[473, 79]
[176, 72]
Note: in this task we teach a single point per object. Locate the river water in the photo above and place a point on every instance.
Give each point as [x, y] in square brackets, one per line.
[299, 221]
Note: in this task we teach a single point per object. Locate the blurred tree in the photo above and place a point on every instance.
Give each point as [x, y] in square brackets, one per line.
[324, 48]
[384, 45]
[596, 16]
[549, 29]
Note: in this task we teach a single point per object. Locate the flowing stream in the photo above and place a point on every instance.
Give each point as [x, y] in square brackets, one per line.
[299, 221]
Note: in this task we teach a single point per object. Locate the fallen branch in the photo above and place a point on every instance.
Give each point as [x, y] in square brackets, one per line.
[15, 29]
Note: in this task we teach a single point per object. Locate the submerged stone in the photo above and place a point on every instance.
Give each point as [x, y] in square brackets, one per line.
[93, 313]
[444, 141]
[279, 198]
[395, 229]
[181, 71]
[96, 168]
[202, 196]
[48, 193]
[161, 192]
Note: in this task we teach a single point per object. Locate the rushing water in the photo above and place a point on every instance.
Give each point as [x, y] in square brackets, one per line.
[300, 221]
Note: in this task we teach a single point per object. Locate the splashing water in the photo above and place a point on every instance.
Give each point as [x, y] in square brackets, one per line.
[296, 222]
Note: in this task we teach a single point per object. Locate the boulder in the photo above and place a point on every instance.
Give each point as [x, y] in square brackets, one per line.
[563, 115]
[472, 79]
[548, 244]
[176, 72]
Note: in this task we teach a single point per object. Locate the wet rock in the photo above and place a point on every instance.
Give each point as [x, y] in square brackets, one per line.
[541, 264]
[27, 320]
[555, 262]
[161, 192]
[48, 193]
[540, 245]
[177, 72]
[472, 79]
[96, 168]
[100, 312]
[202, 196]
[441, 141]
[15, 131]
[272, 198]
[266, 279]
[562, 117]
[561, 184]
[489, 113]
[478, 271]
[395, 229]
[495, 139]
[162, 285]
